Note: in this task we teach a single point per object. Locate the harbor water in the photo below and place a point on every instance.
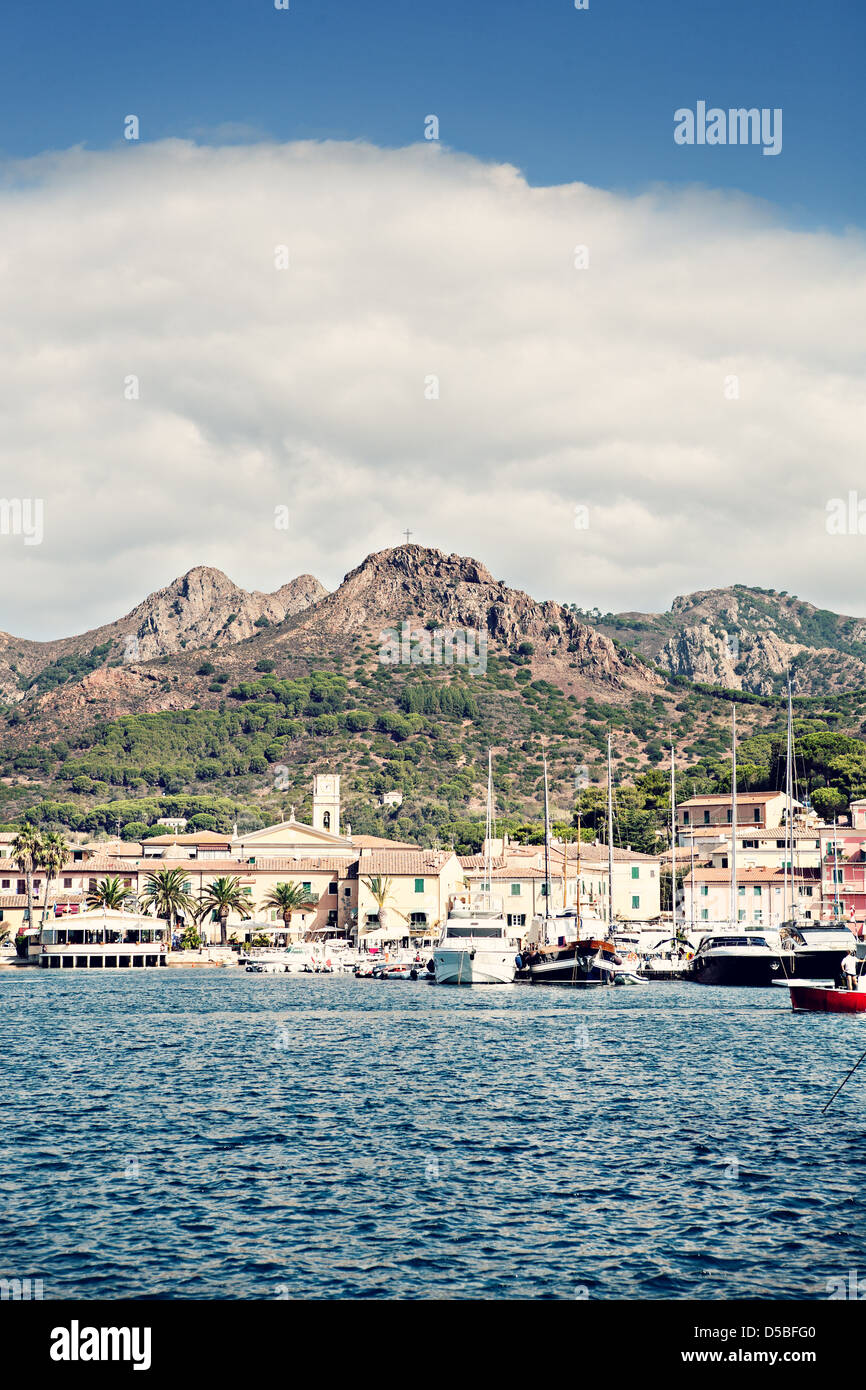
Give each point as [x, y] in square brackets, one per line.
[218, 1135]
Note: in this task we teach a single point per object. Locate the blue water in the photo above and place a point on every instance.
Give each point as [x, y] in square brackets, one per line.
[195, 1134]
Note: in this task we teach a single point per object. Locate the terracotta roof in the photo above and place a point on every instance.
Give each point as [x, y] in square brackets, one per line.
[721, 798]
[377, 842]
[201, 837]
[757, 875]
[400, 863]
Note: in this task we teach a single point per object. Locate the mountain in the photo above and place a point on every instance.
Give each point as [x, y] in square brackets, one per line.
[430, 589]
[201, 609]
[216, 703]
[746, 639]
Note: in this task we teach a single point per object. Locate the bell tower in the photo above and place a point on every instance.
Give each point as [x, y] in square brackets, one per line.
[326, 803]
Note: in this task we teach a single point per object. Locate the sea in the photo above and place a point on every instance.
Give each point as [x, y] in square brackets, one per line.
[209, 1134]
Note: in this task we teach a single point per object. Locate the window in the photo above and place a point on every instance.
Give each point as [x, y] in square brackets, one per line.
[756, 891]
[741, 915]
[517, 919]
[419, 885]
[249, 892]
[347, 892]
[705, 890]
[326, 820]
[757, 815]
[67, 883]
[515, 890]
[544, 890]
[806, 892]
[730, 816]
[757, 915]
[705, 914]
[741, 890]
[706, 817]
[685, 817]
[308, 886]
[635, 900]
[635, 871]
[332, 889]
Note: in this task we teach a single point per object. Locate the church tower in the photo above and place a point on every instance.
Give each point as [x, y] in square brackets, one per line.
[326, 803]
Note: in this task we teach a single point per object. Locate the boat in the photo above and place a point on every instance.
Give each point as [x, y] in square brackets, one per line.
[740, 957]
[301, 958]
[814, 997]
[475, 947]
[818, 949]
[666, 961]
[585, 954]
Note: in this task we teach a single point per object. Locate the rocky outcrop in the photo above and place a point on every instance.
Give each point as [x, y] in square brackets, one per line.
[201, 609]
[432, 589]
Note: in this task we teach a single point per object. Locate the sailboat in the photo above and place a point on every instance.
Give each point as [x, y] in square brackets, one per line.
[575, 959]
[667, 960]
[818, 947]
[739, 954]
[475, 947]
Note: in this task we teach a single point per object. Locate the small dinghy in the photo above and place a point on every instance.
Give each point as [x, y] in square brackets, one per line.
[814, 998]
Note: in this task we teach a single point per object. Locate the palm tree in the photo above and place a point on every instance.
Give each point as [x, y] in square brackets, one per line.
[289, 898]
[109, 893]
[53, 857]
[27, 857]
[165, 892]
[379, 889]
[222, 896]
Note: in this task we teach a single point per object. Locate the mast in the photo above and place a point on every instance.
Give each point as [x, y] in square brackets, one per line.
[546, 852]
[734, 917]
[577, 896]
[692, 876]
[788, 896]
[673, 842]
[835, 867]
[609, 842]
[488, 830]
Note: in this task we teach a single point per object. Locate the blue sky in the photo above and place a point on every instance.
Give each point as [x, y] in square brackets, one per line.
[564, 95]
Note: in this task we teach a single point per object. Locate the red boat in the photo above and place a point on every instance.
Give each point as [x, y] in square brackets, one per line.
[826, 999]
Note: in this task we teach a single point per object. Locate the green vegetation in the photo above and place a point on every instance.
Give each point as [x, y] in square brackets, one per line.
[68, 668]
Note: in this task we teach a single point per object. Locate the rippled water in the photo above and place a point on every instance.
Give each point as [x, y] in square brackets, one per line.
[196, 1134]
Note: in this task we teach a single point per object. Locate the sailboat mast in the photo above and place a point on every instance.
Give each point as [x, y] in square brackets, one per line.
[734, 917]
[789, 832]
[546, 852]
[488, 829]
[673, 842]
[609, 841]
[692, 877]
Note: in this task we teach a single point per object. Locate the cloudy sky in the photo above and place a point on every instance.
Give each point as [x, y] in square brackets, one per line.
[611, 388]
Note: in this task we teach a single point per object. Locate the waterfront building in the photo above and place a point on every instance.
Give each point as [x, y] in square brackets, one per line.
[761, 896]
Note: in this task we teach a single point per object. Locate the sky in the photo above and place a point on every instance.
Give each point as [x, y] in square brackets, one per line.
[282, 326]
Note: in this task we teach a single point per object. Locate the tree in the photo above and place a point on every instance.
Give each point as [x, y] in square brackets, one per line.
[165, 893]
[109, 893]
[53, 857]
[27, 857]
[289, 898]
[222, 896]
[379, 889]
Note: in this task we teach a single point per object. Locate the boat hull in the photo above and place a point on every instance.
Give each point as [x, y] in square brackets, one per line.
[755, 972]
[818, 999]
[586, 965]
[473, 967]
[819, 965]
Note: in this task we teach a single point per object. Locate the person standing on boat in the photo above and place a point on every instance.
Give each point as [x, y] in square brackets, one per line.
[849, 971]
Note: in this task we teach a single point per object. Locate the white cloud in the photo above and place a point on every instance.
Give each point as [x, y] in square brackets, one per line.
[305, 387]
